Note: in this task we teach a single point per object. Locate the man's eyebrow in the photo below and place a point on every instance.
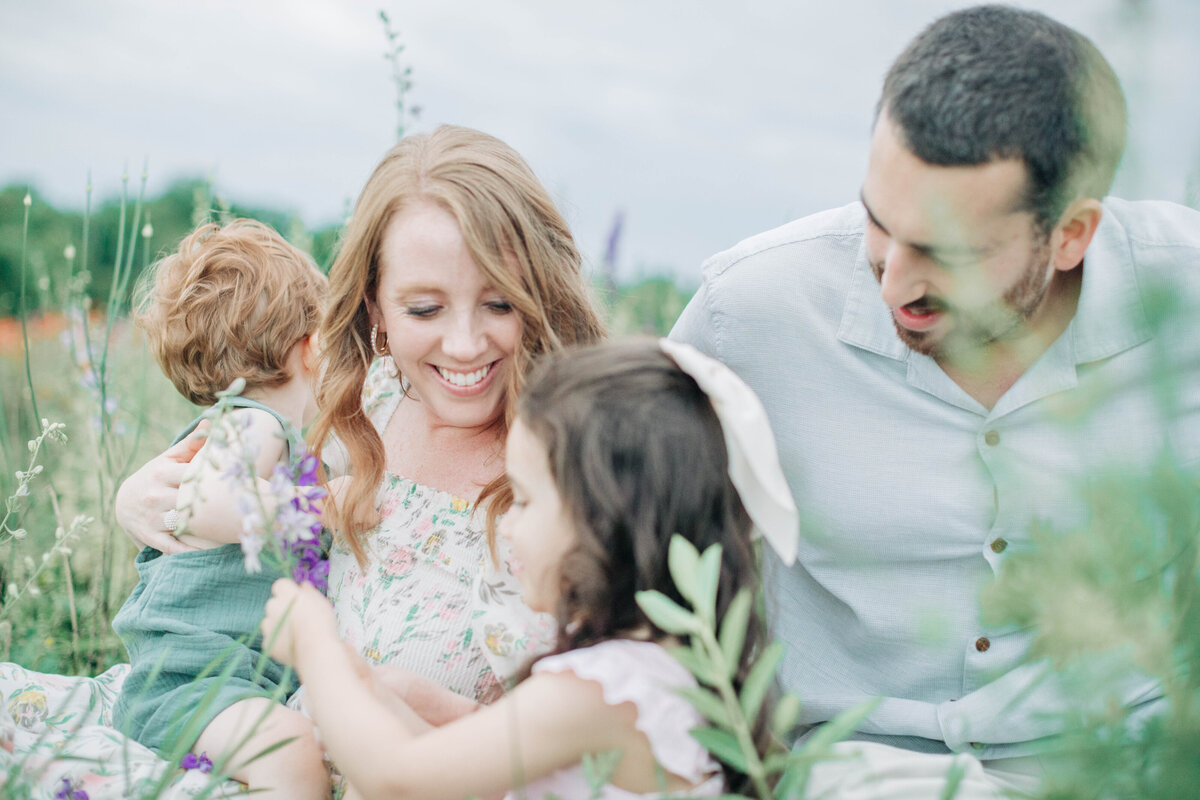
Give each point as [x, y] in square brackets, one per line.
[871, 214]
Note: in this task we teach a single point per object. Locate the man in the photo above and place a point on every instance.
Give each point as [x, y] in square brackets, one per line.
[919, 354]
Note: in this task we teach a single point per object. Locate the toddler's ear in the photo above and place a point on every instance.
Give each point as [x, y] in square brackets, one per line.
[309, 351]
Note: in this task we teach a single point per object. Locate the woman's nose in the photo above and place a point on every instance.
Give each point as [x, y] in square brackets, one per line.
[465, 340]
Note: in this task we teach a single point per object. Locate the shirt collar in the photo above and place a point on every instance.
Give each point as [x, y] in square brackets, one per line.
[1110, 316]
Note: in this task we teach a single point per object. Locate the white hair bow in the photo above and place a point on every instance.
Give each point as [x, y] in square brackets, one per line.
[753, 460]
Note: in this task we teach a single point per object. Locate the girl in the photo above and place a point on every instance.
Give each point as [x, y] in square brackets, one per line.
[614, 448]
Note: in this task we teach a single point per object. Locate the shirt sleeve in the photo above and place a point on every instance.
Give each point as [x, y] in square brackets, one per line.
[696, 325]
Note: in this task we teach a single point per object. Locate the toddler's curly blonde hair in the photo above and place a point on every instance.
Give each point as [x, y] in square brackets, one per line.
[231, 302]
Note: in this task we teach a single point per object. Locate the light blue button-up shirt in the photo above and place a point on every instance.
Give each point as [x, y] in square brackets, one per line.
[914, 494]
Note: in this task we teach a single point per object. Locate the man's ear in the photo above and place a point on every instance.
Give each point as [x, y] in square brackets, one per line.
[1074, 232]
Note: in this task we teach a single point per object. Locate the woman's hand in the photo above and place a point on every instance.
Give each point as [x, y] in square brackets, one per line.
[147, 495]
[297, 619]
[427, 698]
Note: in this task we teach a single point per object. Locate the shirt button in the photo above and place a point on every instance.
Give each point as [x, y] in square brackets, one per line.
[977, 745]
[992, 438]
[982, 644]
[999, 545]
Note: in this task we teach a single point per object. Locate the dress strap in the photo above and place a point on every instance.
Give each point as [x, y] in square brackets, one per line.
[291, 435]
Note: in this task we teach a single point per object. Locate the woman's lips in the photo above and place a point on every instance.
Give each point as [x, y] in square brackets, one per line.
[459, 387]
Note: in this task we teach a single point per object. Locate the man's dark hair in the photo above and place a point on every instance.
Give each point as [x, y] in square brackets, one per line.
[995, 82]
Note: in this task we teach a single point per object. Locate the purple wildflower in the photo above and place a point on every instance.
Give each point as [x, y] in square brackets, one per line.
[311, 565]
[68, 792]
[306, 470]
[200, 762]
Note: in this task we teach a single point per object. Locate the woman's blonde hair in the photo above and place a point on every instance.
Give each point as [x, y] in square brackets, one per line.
[230, 303]
[519, 241]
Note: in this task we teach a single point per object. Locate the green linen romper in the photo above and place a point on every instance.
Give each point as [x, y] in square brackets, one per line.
[192, 613]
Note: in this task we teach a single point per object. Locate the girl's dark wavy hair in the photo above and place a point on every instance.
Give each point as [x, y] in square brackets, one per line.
[637, 454]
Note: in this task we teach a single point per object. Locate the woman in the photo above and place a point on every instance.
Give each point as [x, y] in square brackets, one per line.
[455, 272]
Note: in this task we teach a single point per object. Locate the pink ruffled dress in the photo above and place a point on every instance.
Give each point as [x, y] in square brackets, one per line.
[648, 676]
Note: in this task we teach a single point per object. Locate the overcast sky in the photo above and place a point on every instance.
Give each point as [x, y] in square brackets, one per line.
[704, 122]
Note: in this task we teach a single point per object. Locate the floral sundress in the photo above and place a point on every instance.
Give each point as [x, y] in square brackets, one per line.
[430, 598]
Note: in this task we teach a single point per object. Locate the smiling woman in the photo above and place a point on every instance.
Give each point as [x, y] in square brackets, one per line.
[455, 272]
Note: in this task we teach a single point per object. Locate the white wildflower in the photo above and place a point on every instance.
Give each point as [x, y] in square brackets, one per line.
[251, 547]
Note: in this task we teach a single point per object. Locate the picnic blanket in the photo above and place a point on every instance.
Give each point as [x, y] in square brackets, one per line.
[57, 741]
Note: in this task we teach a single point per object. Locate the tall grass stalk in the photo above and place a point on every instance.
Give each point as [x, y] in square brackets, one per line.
[21, 309]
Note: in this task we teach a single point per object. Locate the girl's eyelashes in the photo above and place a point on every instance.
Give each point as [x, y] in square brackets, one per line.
[421, 312]
[500, 306]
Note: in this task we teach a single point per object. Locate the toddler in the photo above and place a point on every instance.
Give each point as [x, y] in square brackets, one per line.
[234, 302]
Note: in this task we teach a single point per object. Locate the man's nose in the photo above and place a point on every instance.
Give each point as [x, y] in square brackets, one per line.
[905, 277]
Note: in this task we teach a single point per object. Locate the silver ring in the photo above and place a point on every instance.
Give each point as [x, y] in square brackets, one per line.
[171, 520]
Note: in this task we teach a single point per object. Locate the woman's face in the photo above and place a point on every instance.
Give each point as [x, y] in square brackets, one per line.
[538, 523]
[451, 333]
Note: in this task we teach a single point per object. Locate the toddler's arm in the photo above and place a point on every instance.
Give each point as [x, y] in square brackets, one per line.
[208, 511]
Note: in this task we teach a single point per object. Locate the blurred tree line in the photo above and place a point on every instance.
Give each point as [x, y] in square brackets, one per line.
[649, 305]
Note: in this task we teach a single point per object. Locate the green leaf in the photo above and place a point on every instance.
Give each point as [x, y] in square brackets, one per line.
[708, 704]
[837, 728]
[954, 777]
[794, 779]
[759, 680]
[599, 768]
[683, 561]
[723, 745]
[694, 663]
[667, 614]
[733, 629]
[776, 762]
[708, 580]
[784, 717]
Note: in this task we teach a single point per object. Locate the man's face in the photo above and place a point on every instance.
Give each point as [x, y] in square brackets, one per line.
[958, 263]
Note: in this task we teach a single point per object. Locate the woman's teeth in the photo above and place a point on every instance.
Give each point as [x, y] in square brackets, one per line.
[464, 378]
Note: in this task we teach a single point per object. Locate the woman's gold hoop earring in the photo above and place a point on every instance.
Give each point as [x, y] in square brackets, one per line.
[379, 342]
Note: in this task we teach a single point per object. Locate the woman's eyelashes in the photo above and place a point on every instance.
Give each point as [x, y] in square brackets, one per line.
[428, 311]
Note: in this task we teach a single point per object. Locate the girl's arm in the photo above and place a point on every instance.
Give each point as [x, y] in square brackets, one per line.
[207, 500]
[547, 723]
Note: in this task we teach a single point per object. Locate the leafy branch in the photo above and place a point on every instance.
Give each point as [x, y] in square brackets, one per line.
[713, 654]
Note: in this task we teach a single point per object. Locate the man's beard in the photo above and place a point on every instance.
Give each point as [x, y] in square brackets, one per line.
[1001, 319]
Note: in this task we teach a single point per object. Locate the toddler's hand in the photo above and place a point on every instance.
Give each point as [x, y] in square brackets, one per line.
[294, 615]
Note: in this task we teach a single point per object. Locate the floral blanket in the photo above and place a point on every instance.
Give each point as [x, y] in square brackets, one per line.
[57, 742]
